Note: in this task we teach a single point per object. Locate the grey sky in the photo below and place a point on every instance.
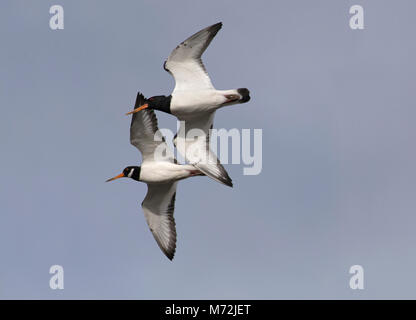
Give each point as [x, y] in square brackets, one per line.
[338, 183]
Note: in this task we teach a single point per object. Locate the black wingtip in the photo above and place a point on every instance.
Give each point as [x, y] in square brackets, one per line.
[215, 27]
[225, 179]
[140, 100]
[229, 183]
[170, 254]
[170, 258]
[221, 176]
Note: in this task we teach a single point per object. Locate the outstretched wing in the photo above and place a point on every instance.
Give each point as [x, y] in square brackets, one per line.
[185, 64]
[145, 135]
[193, 143]
[158, 207]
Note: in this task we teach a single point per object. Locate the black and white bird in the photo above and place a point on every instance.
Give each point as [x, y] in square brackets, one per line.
[194, 101]
[161, 172]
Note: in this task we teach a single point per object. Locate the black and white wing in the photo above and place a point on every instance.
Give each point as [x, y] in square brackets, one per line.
[145, 135]
[158, 207]
[193, 143]
[185, 64]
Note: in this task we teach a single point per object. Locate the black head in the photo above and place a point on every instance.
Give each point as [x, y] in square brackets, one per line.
[161, 103]
[128, 172]
[132, 172]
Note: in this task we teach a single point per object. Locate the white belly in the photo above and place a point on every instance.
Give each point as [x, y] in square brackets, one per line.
[162, 172]
[186, 103]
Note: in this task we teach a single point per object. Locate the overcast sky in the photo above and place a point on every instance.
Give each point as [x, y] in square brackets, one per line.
[337, 110]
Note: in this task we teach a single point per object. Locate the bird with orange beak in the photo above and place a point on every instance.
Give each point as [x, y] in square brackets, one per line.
[194, 102]
[161, 175]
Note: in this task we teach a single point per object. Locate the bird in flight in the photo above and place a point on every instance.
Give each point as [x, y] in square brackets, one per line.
[194, 101]
[160, 171]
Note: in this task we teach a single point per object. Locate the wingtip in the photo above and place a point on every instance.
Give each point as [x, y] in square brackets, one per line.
[213, 28]
[217, 26]
[226, 180]
[170, 255]
[216, 172]
[140, 100]
[229, 183]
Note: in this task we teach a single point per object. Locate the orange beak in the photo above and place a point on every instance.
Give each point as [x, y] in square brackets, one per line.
[138, 109]
[121, 175]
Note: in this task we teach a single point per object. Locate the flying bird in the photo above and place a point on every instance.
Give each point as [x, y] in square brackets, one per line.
[194, 101]
[159, 169]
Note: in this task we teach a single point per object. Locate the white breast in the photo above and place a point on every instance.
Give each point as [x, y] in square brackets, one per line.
[192, 102]
[161, 172]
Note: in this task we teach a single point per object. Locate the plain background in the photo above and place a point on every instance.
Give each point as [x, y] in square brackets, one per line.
[337, 109]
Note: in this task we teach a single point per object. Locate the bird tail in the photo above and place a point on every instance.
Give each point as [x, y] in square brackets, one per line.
[244, 94]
